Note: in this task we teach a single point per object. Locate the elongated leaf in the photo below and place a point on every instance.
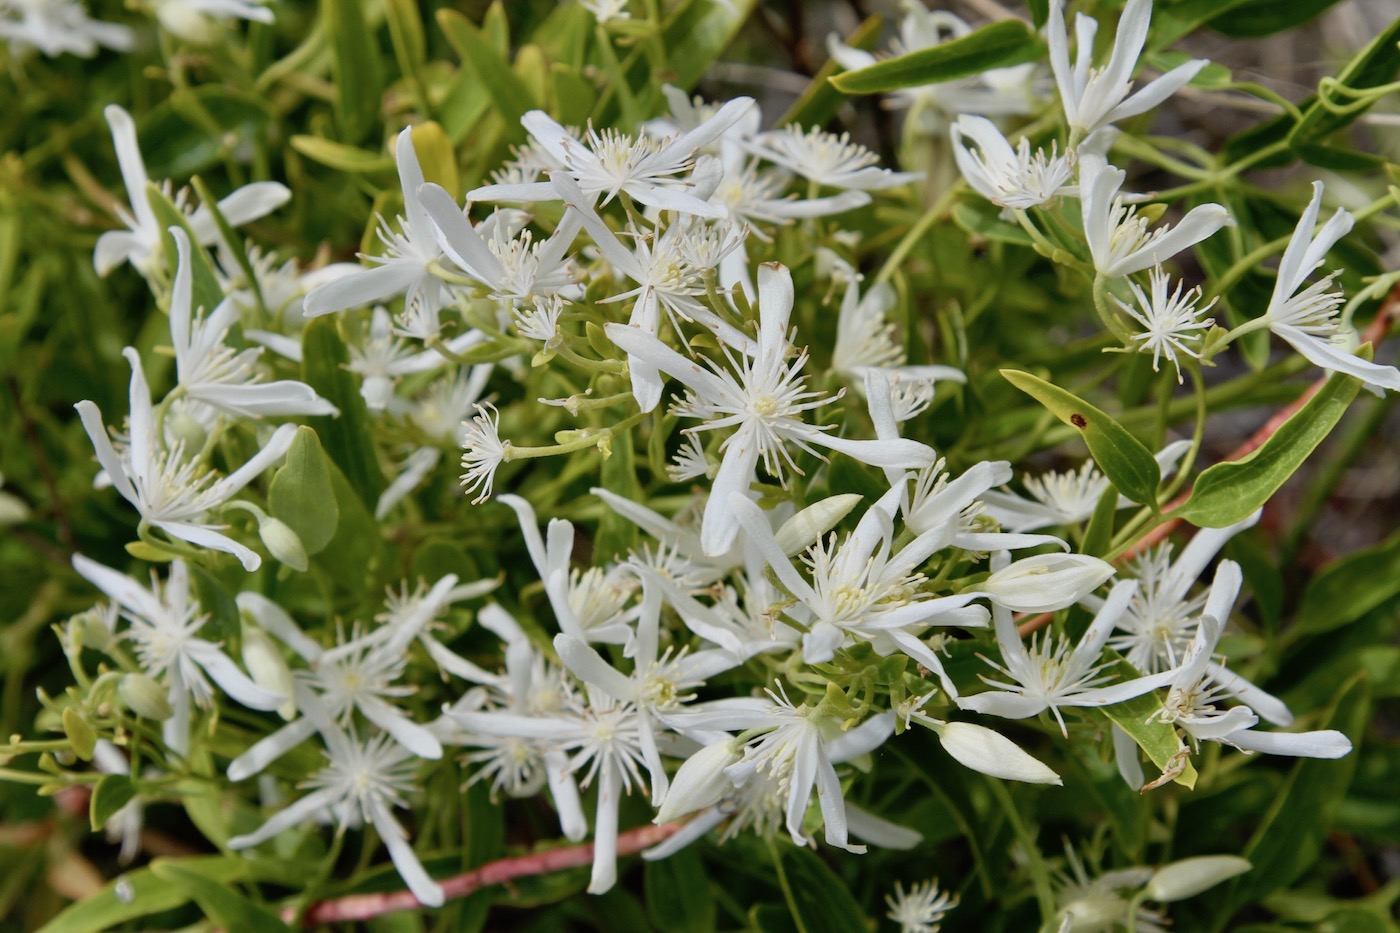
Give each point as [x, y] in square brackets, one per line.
[617, 535]
[821, 902]
[1255, 18]
[1138, 718]
[509, 94]
[206, 290]
[698, 32]
[300, 494]
[340, 156]
[347, 439]
[81, 735]
[1124, 460]
[678, 894]
[1349, 588]
[1229, 492]
[143, 894]
[112, 793]
[222, 904]
[355, 67]
[996, 45]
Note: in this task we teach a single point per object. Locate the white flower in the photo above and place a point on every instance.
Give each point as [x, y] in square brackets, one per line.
[483, 451]
[362, 782]
[1307, 319]
[1051, 675]
[1008, 177]
[590, 605]
[1093, 97]
[1119, 239]
[1066, 498]
[920, 909]
[199, 21]
[607, 11]
[170, 492]
[57, 27]
[764, 401]
[164, 621]
[828, 159]
[1170, 319]
[408, 266]
[382, 358]
[1200, 683]
[215, 374]
[140, 243]
[610, 163]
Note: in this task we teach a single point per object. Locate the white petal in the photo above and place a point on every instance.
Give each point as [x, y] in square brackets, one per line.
[989, 752]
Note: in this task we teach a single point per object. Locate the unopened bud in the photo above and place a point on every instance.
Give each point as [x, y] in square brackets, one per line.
[267, 667]
[700, 782]
[1046, 582]
[186, 428]
[144, 697]
[803, 529]
[1191, 876]
[283, 543]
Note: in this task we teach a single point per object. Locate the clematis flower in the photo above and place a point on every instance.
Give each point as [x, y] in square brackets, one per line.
[362, 782]
[1051, 675]
[1008, 177]
[163, 625]
[1119, 239]
[765, 401]
[140, 243]
[829, 160]
[58, 27]
[383, 358]
[609, 163]
[1094, 97]
[170, 491]
[215, 374]
[1307, 319]
[408, 266]
[1170, 320]
[199, 21]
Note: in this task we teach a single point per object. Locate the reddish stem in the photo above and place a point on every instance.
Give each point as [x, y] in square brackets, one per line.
[365, 906]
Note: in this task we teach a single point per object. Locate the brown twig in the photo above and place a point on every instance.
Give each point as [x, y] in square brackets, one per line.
[366, 906]
[1375, 333]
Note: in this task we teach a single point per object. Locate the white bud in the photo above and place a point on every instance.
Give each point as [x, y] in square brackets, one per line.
[803, 529]
[700, 782]
[144, 697]
[283, 543]
[989, 752]
[1046, 582]
[12, 509]
[1191, 876]
[267, 667]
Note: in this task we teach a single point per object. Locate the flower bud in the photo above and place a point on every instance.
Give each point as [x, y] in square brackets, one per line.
[981, 749]
[1046, 582]
[144, 697]
[268, 668]
[700, 782]
[282, 543]
[1189, 877]
[803, 529]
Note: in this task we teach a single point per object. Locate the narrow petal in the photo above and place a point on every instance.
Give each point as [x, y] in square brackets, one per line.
[589, 666]
[428, 892]
[251, 202]
[720, 524]
[362, 288]
[230, 679]
[91, 418]
[464, 244]
[207, 537]
[302, 811]
[1321, 352]
[1327, 743]
[268, 749]
[605, 831]
[405, 731]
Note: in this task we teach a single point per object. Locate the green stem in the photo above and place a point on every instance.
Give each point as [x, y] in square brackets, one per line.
[922, 226]
[1040, 874]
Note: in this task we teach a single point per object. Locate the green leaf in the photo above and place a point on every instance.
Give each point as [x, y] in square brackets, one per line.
[355, 68]
[820, 902]
[177, 135]
[509, 94]
[342, 157]
[1290, 836]
[406, 33]
[1124, 460]
[112, 793]
[616, 535]
[206, 290]
[79, 732]
[224, 620]
[1349, 588]
[228, 909]
[1138, 718]
[997, 45]
[1098, 536]
[300, 494]
[983, 219]
[1253, 19]
[436, 157]
[347, 438]
[351, 551]
[678, 893]
[1229, 492]
[144, 894]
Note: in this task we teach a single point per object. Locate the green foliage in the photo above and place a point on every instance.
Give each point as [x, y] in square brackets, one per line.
[1003, 43]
